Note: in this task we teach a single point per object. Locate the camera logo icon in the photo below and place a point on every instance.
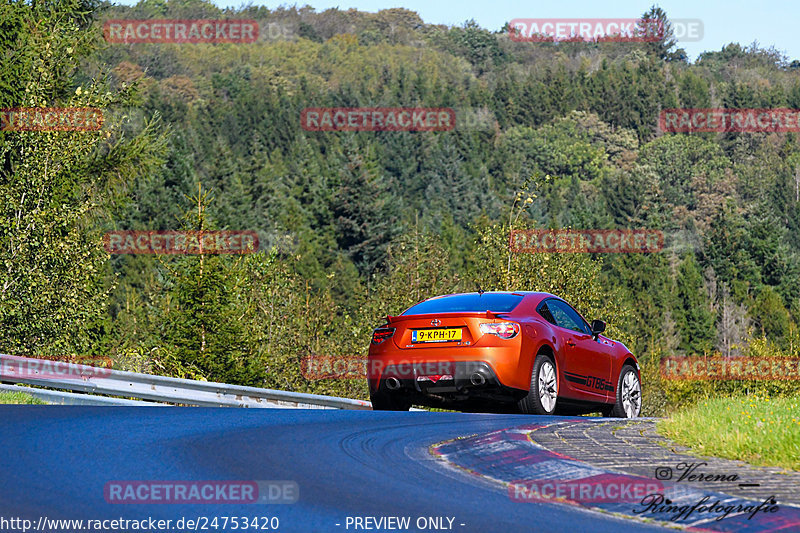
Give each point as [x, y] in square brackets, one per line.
[663, 473]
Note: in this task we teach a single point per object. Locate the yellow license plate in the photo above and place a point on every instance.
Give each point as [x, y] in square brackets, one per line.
[436, 335]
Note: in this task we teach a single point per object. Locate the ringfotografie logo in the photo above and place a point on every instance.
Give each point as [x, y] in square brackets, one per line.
[659, 506]
[694, 472]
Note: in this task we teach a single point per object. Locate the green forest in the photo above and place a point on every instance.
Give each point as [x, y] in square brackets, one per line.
[357, 225]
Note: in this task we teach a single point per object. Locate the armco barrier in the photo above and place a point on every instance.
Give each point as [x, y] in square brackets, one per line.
[91, 380]
[70, 398]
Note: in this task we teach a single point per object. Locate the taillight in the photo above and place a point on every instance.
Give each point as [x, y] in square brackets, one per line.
[381, 334]
[504, 330]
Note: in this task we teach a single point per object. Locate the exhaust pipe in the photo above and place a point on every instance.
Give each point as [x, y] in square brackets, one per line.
[392, 383]
[477, 379]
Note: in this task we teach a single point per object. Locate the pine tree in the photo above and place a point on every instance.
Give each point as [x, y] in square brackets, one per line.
[203, 333]
[363, 215]
[692, 310]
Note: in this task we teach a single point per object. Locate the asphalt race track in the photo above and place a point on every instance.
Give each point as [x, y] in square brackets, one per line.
[57, 460]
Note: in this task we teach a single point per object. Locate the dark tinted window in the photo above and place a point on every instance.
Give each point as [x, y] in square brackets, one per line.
[545, 312]
[473, 302]
[566, 317]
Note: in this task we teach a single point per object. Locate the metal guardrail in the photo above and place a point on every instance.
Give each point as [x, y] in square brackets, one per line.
[92, 380]
[71, 398]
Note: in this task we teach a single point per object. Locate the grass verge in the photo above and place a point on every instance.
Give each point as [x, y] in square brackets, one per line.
[760, 430]
[19, 398]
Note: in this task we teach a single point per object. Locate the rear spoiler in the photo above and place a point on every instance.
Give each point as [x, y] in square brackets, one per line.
[481, 314]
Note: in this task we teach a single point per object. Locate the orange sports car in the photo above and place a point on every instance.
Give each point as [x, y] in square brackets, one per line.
[501, 351]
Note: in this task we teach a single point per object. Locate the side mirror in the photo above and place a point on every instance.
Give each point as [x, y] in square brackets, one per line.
[597, 327]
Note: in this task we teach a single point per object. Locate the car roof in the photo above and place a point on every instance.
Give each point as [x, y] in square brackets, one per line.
[533, 295]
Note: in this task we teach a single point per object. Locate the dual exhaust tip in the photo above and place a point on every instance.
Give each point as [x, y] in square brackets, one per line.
[392, 383]
[477, 379]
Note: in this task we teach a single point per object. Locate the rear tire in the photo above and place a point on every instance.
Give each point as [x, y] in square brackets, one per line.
[543, 393]
[382, 401]
[628, 403]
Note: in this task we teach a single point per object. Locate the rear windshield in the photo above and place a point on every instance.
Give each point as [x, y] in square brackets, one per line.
[473, 302]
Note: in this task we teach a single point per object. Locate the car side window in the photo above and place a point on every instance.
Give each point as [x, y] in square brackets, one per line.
[545, 312]
[566, 317]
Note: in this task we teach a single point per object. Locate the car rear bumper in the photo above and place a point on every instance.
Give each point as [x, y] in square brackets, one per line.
[440, 383]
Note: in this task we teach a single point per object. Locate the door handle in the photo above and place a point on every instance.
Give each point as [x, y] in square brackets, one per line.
[570, 343]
